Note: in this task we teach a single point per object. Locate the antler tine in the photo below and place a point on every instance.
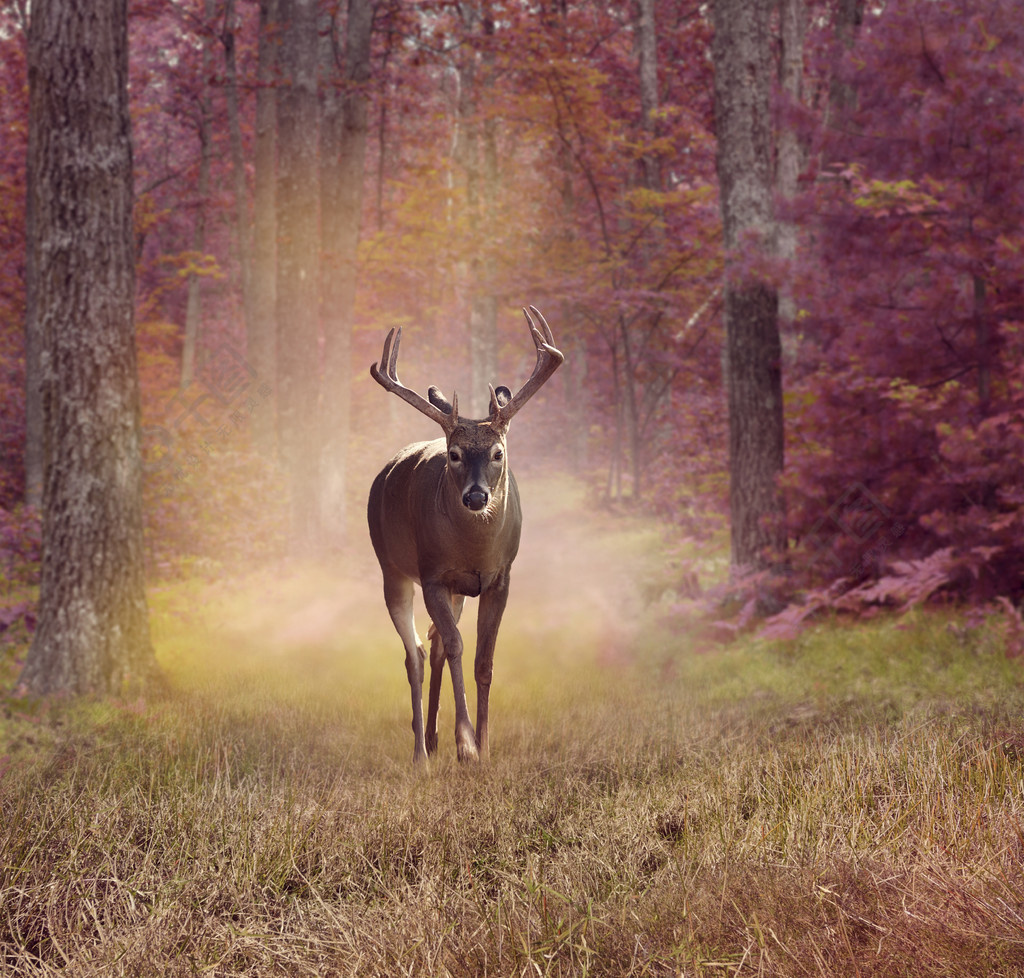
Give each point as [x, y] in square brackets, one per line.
[388, 379]
[549, 359]
[390, 357]
[549, 339]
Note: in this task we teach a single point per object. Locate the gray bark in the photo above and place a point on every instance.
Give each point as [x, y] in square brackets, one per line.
[92, 634]
[33, 339]
[743, 127]
[792, 19]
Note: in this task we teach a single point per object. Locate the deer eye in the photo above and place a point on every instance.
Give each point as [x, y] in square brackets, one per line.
[498, 455]
[454, 456]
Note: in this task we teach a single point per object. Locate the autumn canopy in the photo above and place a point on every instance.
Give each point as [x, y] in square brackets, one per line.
[307, 175]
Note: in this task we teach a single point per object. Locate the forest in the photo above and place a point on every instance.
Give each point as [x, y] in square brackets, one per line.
[457, 161]
[757, 696]
[470, 159]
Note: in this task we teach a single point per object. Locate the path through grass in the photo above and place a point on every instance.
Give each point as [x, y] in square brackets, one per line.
[850, 804]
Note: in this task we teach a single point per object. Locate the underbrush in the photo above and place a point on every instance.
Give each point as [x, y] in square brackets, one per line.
[849, 803]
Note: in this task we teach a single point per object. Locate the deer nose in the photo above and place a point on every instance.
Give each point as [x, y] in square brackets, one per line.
[475, 499]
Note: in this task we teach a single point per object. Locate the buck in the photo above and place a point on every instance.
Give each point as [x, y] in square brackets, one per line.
[445, 514]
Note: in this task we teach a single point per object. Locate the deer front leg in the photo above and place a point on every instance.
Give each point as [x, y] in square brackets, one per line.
[438, 600]
[398, 594]
[436, 673]
[492, 607]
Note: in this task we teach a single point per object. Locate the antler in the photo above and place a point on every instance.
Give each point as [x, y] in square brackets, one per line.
[549, 359]
[388, 379]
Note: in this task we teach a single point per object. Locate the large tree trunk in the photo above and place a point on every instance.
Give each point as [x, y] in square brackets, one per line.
[343, 160]
[754, 375]
[298, 266]
[261, 350]
[93, 625]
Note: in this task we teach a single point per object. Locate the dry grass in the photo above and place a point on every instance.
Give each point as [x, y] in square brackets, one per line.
[848, 805]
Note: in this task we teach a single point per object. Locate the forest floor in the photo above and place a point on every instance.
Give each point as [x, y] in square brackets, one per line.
[656, 803]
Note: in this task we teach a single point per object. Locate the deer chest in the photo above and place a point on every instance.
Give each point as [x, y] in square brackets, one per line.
[470, 583]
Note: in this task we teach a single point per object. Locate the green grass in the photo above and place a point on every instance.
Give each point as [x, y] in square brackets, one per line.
[851, 803]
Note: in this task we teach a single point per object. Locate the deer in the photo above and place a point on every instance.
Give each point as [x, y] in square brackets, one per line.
[446, 515]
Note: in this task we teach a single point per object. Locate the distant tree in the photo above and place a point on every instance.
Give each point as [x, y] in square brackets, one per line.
[743, 125]
[93, 624]
[647, 58]
[298, 266]
[476, 155]
[342, 166]
[229, 39]
[260, 322]
[203, 120]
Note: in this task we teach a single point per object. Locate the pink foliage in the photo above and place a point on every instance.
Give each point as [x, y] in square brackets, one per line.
[904, 364]
[908, 382]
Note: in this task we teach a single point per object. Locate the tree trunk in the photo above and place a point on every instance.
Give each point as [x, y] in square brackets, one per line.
[743, 127]
[984, 344]
[93, 626]
[237, 162]
[261, 350]
[643, 395]
[484, 338]
[792, 19]
[841, 97]
[298, 261]
[194, 302]
[647, 43]
[389, 15]
[33, 338]
[342, 169]
[476, 154]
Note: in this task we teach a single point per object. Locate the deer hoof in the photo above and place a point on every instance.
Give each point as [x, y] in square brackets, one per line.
[465, 745]
[468, 752]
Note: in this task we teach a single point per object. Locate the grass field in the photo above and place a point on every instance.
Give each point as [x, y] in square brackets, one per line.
[848, 804]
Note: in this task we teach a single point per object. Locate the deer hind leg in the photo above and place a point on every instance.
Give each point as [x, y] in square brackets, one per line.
[438, 600]
[398, 593]
[436, 672]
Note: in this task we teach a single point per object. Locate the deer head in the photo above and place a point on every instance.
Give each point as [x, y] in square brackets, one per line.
[476, 452]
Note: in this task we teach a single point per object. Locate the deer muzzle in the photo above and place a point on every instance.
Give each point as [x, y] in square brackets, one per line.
[475, 498]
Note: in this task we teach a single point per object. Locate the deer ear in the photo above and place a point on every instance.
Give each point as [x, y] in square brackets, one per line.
[439, 400]
[500, 396]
